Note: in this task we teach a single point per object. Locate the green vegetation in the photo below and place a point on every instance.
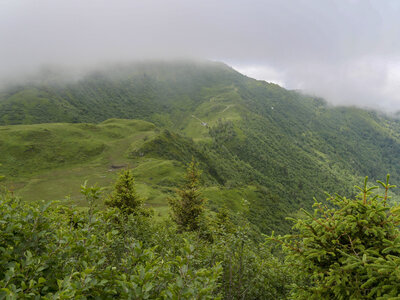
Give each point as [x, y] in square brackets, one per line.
[351, 251]
[137, 91]
[124, 196]
[55, 252]
[188, 208]
[58, 253]
[265, 154]
[256, 141]
[347, 250]
[1, 176]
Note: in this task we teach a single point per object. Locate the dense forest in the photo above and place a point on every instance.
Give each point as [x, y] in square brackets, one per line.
[194, 163]
[348, 249]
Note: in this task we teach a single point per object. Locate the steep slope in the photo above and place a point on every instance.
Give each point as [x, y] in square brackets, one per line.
[51, 161]
[255, 140]
[137, 91]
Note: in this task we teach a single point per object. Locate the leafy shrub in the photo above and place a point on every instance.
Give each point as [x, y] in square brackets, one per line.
[53, 252]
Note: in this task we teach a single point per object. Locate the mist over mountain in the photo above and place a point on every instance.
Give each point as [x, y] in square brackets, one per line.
[275, 147]
[175, 149]
[344, 51]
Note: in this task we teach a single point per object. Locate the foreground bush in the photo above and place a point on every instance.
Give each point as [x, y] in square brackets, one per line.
[53, 252]
[348, 251]
[58, 253]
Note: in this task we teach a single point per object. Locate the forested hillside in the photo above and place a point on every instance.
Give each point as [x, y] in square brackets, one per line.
[254, 140]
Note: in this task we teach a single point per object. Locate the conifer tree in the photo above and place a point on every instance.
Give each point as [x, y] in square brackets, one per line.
[188, 206]
[124, 195]
[348, 250]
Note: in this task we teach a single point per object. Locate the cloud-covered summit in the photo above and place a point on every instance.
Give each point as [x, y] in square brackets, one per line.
[346, 51]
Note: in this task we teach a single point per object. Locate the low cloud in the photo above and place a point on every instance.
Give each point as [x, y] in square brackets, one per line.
[346, 51]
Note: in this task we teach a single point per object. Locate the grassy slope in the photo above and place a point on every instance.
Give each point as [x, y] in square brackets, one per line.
[255, 140]
[50, 161]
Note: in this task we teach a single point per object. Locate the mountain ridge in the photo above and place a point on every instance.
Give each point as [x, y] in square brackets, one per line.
[282, 147]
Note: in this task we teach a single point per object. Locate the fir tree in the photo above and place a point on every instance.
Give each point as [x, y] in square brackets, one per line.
[124, 195]
[348, 250]
[188, 207]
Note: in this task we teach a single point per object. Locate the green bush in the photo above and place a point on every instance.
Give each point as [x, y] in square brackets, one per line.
[347, 250]
[53, 252]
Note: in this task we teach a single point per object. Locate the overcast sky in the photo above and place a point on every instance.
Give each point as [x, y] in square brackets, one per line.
[347, 51]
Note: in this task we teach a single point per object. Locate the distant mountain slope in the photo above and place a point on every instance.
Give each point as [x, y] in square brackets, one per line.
[277, 147]
[136, 91]
[51, 161]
